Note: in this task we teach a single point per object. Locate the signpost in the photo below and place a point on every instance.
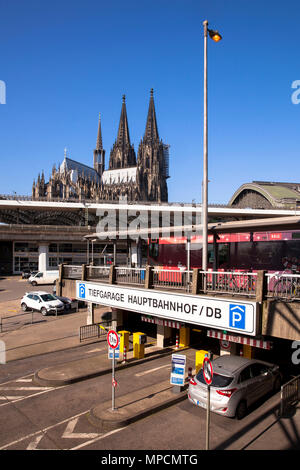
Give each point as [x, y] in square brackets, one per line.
[208, 376]
[178, 371]
[113, 342]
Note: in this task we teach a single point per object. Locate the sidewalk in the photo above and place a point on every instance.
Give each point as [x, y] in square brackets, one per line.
[46, 334]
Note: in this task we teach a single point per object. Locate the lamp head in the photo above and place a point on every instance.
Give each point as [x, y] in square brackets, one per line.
[215, 35]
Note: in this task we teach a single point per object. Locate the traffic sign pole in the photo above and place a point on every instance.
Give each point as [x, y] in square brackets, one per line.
[112, 382]
[113, 342]
[208, 376]
[207, 417]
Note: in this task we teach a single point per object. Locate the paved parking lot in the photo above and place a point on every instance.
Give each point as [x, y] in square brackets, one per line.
[14, 287]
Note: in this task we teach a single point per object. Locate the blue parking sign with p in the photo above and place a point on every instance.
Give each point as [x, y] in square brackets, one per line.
[237, 316]
[81, 289]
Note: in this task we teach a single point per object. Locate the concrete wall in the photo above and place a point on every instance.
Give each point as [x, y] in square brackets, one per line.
[281, 319]
[68, 288]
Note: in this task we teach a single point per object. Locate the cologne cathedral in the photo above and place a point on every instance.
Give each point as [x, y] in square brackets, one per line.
[137, 178]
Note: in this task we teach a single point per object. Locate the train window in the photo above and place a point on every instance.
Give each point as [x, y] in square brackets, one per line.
[153, 250]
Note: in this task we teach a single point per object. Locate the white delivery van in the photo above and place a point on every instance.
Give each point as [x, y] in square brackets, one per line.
[44, 277]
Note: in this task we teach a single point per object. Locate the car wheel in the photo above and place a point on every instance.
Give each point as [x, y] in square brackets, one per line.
[34, 283]
[44, 311]
[24, 307]
[241, 410]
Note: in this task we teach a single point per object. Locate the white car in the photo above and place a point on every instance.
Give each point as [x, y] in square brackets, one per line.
[41, 301]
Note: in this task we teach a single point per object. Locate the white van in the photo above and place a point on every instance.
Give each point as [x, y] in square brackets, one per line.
[44, 277]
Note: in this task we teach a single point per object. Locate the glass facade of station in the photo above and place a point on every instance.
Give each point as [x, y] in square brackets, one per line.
[26, 254]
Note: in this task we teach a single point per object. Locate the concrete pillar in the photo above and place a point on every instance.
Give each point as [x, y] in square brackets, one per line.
[90, 319]
[43, 257]
[163, 333]
[116, 318]
[136, 254]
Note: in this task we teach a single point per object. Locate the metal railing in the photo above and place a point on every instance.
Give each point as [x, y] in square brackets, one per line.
[289, 395]
[94, 330]
[130, 275]
[281, 285]
[233, 283]
[172, 279]
[10, 317]
[98, 272]
[72, 271]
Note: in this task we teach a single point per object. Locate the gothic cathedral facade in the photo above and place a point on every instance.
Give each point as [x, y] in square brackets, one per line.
[137, 178]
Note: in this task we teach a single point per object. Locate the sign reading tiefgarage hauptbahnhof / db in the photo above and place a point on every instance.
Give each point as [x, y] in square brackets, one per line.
[223, 314]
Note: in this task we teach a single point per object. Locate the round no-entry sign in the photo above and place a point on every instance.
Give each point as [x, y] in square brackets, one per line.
[207, 371]
[112, 339]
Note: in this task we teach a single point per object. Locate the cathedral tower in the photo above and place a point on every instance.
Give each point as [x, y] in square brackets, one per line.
[152, 161]
[99, 153]
[122, 154]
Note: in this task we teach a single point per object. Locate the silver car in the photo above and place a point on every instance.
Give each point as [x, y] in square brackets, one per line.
[237, 383]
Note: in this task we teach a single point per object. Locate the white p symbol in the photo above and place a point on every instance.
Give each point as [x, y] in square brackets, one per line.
[2, 353]
[236, 318]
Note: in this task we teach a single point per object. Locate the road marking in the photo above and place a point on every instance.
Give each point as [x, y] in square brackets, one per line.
[15, 380]
[94, 350]
[70, 434]
[11, 398]
[22, 380]
[32, 395]
[25, 388]
[41, 431]
[33, 444]
[102, 436]
[140, 374]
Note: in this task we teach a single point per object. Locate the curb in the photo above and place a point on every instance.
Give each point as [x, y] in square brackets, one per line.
[43, 381]
[105, 422]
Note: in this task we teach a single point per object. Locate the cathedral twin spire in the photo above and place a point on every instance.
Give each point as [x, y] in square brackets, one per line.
[122, 154]
[151, 164]
[151, 131]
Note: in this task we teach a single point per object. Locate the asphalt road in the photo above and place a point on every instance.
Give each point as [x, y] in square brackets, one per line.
[33, 417]
[13, 288]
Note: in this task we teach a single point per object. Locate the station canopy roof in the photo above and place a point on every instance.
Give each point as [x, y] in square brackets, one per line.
[239, 226]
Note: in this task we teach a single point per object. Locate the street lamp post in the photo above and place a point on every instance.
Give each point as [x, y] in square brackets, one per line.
[216, 37]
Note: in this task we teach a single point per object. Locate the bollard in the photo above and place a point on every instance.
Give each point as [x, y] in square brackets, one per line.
[177, 341]
[124, 354]
[190, 373]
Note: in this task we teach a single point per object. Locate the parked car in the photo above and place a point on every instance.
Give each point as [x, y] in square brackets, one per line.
[237, 383]
[68, 303]
[26, 274]
[43, 277]
[41, 301]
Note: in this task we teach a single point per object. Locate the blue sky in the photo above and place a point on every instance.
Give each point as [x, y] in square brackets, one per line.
[65, 61]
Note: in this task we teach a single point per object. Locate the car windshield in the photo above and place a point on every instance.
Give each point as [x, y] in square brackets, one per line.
[217, 381]
[47, 297]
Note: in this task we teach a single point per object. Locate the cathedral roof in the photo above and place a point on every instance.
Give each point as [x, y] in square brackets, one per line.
[82, 170]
